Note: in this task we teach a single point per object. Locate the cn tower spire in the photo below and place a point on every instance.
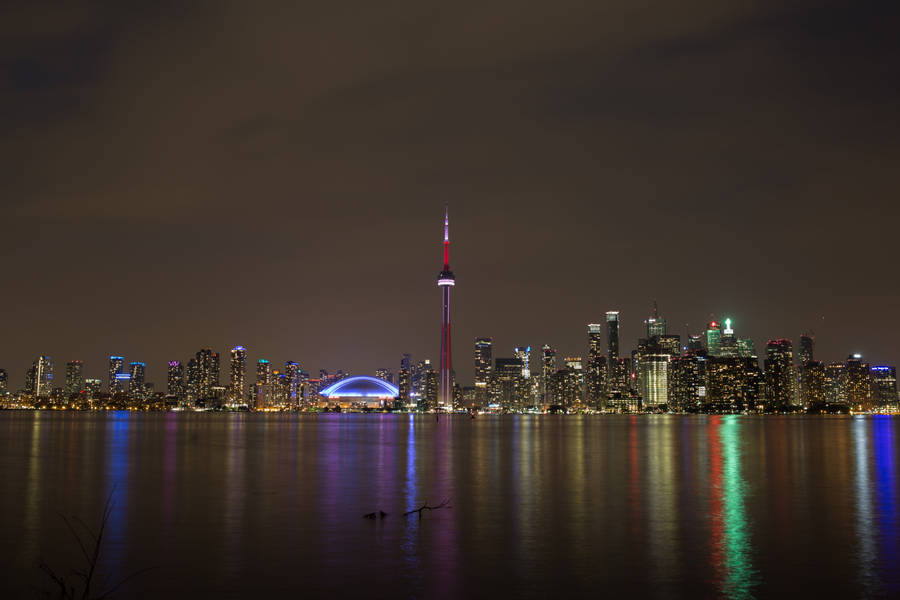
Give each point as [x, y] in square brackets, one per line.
[446, 280]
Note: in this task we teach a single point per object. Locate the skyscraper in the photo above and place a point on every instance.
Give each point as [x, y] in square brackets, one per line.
[859, 384]
[596, 367]
[39, 379]
[137, 380]
[175, 380]
[292, 383]
[779, 374]
[548, 370]
[655, 325]
[805, 351]
[484, 356]
[445, 281]
[4, 385]
[885, 380]
[523, 353]
[612, 335]
[74, 378]
[385, 373]
[236, 384]
[92, 388]
[263, 377]
[713, 338]
[207, 374]
[116, 366]
[653, 380]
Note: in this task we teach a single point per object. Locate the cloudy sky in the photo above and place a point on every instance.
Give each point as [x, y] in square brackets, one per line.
[273, 174]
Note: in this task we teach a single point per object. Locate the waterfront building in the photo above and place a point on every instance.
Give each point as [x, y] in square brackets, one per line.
[236, 393]
[116, 367]
[92, 389]
[429, 399]
[859, 384]
[403, 386]
[836, 385]
[779, 375]
[261, 394]
[292, 391]
[445, 281]
[687, 381]
[523, 353]
[385, 374]
[596, 367]
[812, 384]
[653, 380]
[733, 384]
[548, 368]
[805, 348]
[484, 356]
[74, 378]
[612, 335]
[509, 383]
[136, 380]
[360, 392]
[175, 384]
[39, 378]
[4, 383]
[885, 383]
[207, 374]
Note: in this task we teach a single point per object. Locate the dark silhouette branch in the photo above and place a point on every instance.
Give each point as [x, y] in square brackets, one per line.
[444, 504]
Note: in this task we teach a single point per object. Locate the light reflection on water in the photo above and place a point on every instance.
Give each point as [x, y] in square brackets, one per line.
[266, 505]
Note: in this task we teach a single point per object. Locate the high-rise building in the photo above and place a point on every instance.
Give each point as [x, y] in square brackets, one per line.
[779, 375]
[836, 385]
[523, 353]
[430, 396]
[548, 369]
[655, 325]
[292, 383]
[116, 368]
[403, 387]
[885, 380]
[746, 348]
[572, 392]
[262, 395]
[812, 384]
[805, 349]
[207, 376]
[175, 384]
[4, 382]
[385, 374]
[728, 344]
[695, 343]
[92, 389]
[653, 380]
[446, 280]
[713, 338]
[484, 356]
[136, 370]
[236, 393]
[74, 378]
[596, 367]
[687, 381]
[612, 335]
[509, 383]
[733, 384]
[39, 379]
[859, 384]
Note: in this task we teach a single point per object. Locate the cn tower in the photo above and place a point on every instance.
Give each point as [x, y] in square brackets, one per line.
[446, 280]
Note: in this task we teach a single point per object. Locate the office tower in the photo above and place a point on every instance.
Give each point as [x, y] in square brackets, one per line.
[812, 384]
[596, 367]
[548, 368]
[746, 348]
[446, 280]
[612, 335]
[573, 391]
[695, 343]
[885, 382]
[655, 325]
[523, 353]
[859, 384]
[836, 385]
[779, 375]
[116, 366]
[728, 344]
[805, 350]
[385, 374]
[732, 384]
[39, 379]
[509, 383]
[484, 356]
[687, 381]
[713, 338]
[74, 378]
[192, 381]
[92, 389]
[653, 380]
[136, 370]
[263, 379]
[237, 381]
[175, 384]
[668, 344]
[4, 383]
[292, 383]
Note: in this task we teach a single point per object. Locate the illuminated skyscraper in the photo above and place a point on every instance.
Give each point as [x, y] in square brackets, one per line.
[523, 353]
[612, 335]
[836, 385]
[237, 381]
[446, 280]
[262, 394]
[509, 384]
[687, 381]
[805, 351]
[548, 370]
[655, 325]
[779, 374]
[175, 385]
[385, 374]
[859, 384]
[484, 356]
[292, 383]
[812, 384]
[39, 379]
[74, 378]
[653, 380]
[136, 370]
[4, 382]
[713, 338]
[885, 380]
[92, 389]
[596, 367]
[207, 375]
[116, 368]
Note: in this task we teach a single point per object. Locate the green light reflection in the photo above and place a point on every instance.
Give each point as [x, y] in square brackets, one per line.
[740, 577]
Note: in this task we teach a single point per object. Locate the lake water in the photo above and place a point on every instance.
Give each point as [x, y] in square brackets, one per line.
[253, 505]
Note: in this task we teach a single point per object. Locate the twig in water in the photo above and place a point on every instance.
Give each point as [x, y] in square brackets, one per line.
[444, 504]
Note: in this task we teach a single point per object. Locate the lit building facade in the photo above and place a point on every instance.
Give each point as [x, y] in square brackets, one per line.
[74, 378]
[237, 386]
[484, 356]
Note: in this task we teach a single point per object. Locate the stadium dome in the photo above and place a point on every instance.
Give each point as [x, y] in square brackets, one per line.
[362, 387]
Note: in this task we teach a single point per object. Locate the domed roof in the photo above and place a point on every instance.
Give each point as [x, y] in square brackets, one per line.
[361, 386]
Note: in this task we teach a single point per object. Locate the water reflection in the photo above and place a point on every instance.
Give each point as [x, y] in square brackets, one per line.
[886, 493]
[411, 497]
[117, 488]
[732, 551]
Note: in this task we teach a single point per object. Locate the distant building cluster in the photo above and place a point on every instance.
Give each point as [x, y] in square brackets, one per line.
[712, 372]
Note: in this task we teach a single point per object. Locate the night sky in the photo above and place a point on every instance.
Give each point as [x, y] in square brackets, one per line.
[190, 174]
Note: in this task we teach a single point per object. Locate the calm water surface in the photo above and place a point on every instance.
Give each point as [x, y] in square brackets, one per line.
[249, 505]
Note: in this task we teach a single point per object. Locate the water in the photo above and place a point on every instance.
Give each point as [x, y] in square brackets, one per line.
[241, 505]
